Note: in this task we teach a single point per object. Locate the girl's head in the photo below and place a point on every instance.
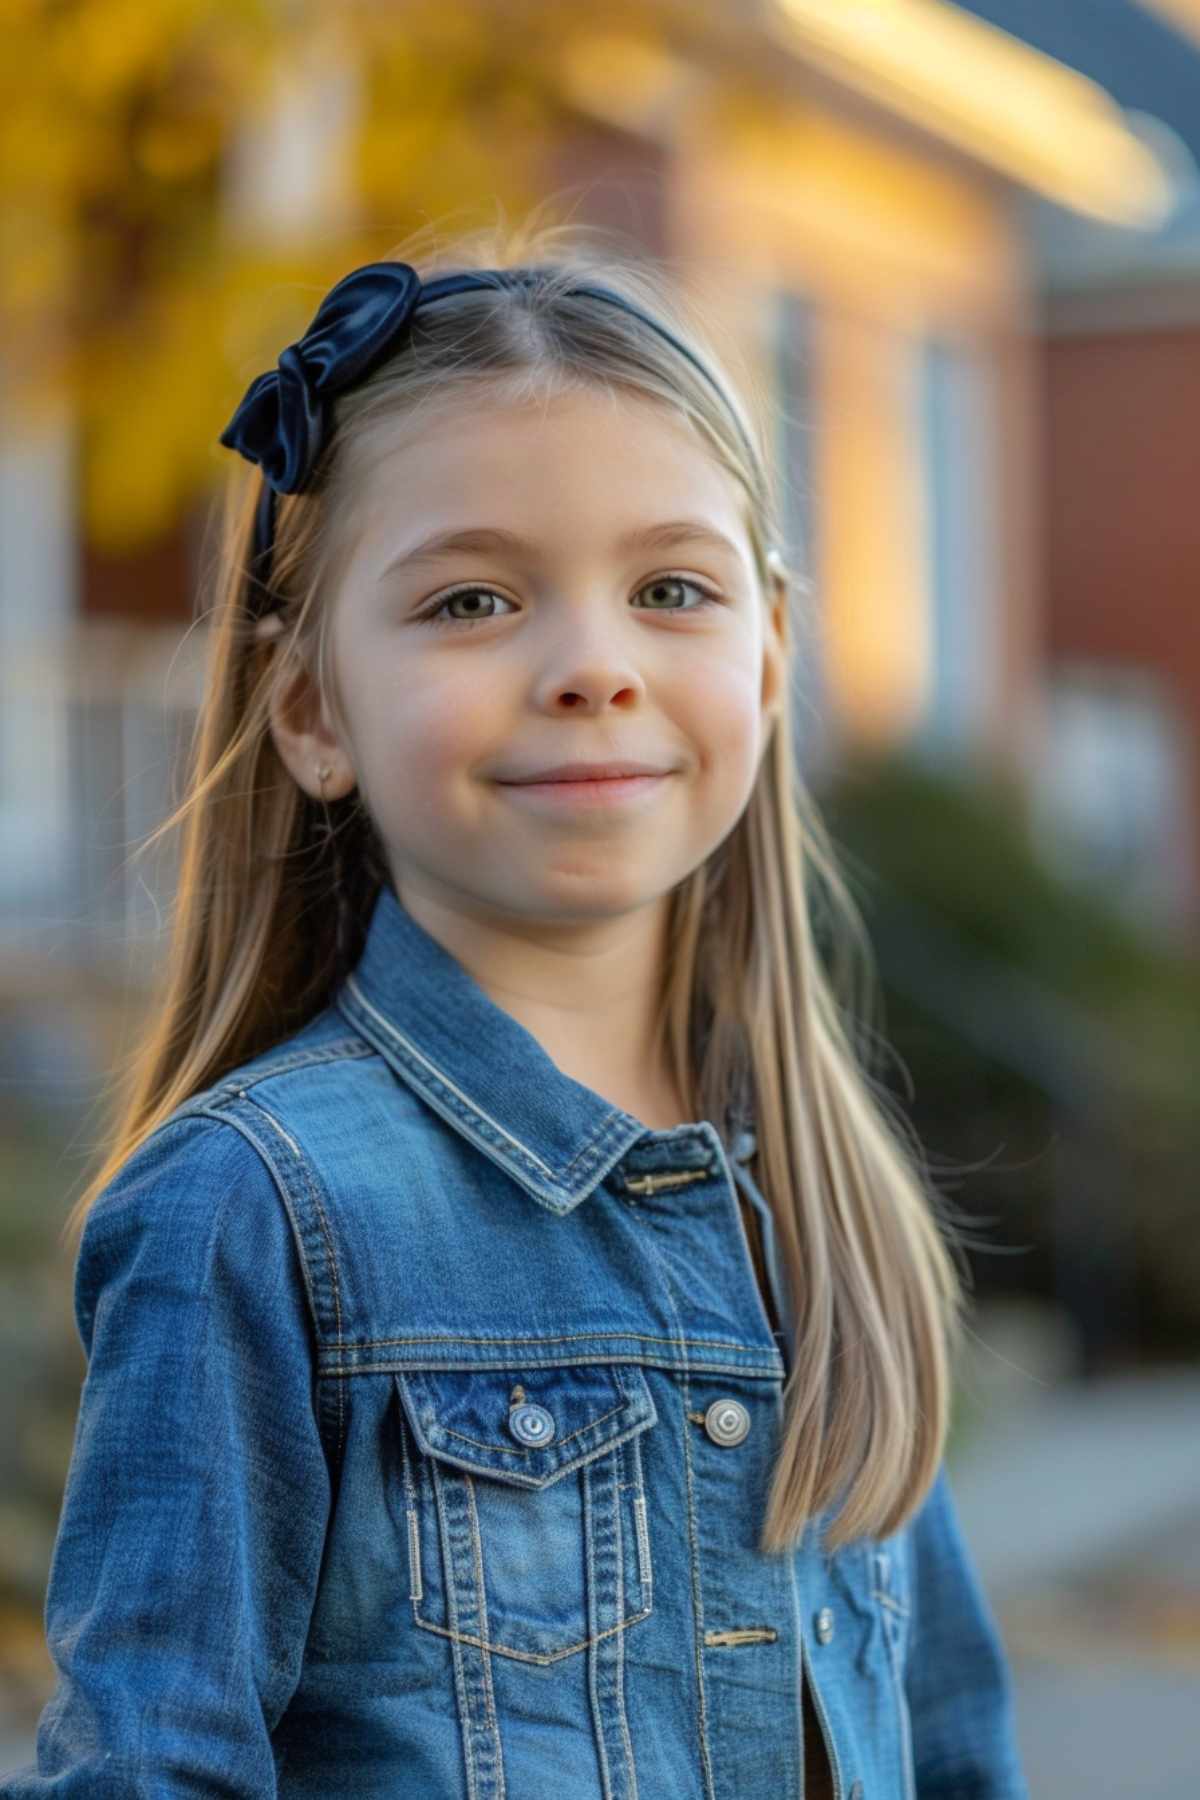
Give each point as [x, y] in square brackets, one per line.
[584, 464]
[628, 618]
[365, 727]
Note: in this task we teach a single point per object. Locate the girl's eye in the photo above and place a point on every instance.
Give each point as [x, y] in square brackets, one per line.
[432, 614]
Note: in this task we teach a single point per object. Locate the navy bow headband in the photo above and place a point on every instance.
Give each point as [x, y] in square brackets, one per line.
[283, 420]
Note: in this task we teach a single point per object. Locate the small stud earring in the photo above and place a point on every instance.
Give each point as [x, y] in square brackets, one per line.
[324, 771]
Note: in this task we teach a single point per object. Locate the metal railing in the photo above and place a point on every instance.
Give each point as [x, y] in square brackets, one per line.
[94, 729]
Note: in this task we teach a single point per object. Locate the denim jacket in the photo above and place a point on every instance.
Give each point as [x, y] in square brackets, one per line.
[423, 1451]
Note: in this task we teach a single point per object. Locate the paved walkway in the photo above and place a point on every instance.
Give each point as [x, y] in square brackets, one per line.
[1082, 1511]
[1082, 1469]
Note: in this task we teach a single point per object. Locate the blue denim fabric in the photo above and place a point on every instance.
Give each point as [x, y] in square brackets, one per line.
[391, 1474]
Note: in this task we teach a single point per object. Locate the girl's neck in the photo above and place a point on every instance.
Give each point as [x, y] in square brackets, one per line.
[663, 1114]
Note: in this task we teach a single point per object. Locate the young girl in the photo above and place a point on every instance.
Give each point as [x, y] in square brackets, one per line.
[518, 1341]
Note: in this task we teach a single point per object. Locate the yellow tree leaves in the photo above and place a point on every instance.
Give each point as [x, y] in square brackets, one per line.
[180, 189]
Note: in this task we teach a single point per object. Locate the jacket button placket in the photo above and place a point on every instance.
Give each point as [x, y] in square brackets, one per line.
[750, 1639]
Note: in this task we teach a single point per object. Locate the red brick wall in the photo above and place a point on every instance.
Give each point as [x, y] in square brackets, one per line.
[1122, 508]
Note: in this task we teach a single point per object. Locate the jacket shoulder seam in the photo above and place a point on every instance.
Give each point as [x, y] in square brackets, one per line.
[230, 1114]
[239, 1081]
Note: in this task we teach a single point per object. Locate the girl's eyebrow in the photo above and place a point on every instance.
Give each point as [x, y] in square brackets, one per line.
[495, 537]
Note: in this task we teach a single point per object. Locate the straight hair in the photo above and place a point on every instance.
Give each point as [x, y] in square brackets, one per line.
[755, 1013]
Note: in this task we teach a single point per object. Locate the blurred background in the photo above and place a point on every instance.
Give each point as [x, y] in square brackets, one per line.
[958, 249]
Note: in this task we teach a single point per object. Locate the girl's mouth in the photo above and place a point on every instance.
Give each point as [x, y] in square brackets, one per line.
[597, 792]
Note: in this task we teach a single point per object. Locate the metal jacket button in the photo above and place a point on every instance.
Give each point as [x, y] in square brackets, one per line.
[825, 1624]
[727, 1422]
[531, 1424]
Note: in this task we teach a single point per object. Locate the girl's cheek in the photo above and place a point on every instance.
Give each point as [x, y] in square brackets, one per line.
[447, 729]
[426, 717]
[725, 709]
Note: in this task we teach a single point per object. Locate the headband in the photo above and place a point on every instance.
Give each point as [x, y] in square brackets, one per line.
[283, 420]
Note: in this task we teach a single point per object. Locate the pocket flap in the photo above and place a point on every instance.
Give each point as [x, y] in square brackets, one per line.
[466, 1417]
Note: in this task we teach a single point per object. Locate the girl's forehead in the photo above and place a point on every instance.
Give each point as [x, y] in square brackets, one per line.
[482, 413]
[487, 455]
[609, 450]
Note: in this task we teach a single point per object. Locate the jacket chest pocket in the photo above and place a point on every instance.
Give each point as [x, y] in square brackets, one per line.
[526, 1505]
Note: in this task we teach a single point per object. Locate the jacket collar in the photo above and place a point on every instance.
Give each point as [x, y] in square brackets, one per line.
[490, 1078]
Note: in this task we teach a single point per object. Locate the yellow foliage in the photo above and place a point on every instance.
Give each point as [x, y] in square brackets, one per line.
[121, 283]
[144, 398]
[174, 147]
[36, 259]
[103, 50]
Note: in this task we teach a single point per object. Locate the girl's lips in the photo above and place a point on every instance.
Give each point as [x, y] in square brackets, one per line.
[609, 791]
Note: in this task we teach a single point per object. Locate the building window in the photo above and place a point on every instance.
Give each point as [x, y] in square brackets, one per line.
[1111, 800]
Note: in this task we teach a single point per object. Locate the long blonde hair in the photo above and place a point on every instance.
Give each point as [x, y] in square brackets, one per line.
[750, 1015]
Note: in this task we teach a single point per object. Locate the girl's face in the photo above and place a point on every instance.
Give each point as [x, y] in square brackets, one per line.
[463, 667]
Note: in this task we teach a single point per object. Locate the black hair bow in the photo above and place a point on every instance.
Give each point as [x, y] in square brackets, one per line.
[283, 419]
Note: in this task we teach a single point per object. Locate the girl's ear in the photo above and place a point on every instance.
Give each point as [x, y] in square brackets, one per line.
[301, 729]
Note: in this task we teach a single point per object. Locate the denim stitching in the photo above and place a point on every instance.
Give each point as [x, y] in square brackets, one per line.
[601, 1746]
[330, 1251]
[409, 1049]
[234, 1086]
[540, 1657]
[464, 1719]
[637, 1485]
[466, 1725]
[285, 1135]
[488, 1694]
[241, 1125]
[623, 1718]
[416, 1592]
[459, 1529]
[410, 1365]
[697, 1598]
[645, 1565]
[416, 1586]
[570, 1337]
[587, 1158]
[606, 1668]
[593, 1153]
[619, 1646]
[533, 1449]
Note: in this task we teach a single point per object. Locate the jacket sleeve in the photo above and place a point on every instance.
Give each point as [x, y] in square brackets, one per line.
[197, 1496]
[958, 1682]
